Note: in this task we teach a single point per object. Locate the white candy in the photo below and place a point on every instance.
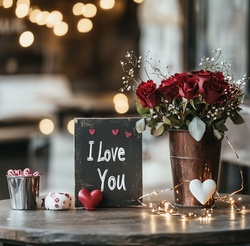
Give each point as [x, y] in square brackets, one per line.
[57, 201]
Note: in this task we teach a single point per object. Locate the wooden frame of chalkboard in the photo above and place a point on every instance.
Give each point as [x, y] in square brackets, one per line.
[108, 156]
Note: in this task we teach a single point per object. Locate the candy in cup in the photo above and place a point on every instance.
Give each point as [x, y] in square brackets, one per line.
[23, 188]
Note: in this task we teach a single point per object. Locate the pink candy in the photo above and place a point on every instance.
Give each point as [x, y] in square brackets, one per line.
[37, 174]
[11, 172]
[26, 172]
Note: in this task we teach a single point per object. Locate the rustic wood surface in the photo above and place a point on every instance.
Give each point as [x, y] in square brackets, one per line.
[122, 226]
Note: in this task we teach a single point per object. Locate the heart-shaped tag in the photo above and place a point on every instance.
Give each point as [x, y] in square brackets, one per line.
[202, 191]
[128, 134]
[115, 132]
[90, 200]
[92, 131]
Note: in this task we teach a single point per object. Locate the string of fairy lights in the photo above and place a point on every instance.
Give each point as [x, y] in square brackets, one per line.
[167, 208]
[55, 19]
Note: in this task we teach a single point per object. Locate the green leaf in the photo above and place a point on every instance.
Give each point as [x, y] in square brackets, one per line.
[166, 120]
[192, 103]
[140, 125]
[220, 125]
[236, 118]
[184, 104]
[197, 128]
[151, 122]
[141, 110]
[217, 133]
[174, 121]
[158, 130]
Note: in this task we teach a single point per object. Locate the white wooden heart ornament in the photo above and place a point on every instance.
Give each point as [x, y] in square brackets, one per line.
[202, 191]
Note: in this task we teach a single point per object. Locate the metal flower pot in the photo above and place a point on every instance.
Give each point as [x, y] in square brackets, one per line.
[192, 160]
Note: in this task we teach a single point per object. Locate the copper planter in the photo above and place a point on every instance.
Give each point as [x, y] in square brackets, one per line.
[192, 160]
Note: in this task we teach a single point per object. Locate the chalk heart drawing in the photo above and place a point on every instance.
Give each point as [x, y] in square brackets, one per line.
[92, 131]
[90, 200]
[115, 131]
[128, 134]
[202, 191]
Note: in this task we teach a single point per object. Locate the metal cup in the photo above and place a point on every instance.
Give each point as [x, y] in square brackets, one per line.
[24, 191]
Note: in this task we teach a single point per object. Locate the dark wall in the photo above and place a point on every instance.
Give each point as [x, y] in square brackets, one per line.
[91, 60]
[12, 156]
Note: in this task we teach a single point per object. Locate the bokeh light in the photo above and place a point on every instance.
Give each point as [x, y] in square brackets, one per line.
[22, 10]
[78, 8]
[84, 25]
[121, 103]
[138, 1]
[70, 126]
[26, 39]
[27, 2]
[90, 10]
[7, 3]
[33, 15]
[107, 4]
[46, 126]
[42, 17]
[61, 28]
[54, 18]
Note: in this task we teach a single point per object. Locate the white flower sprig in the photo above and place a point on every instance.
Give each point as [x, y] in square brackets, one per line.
[128, 67]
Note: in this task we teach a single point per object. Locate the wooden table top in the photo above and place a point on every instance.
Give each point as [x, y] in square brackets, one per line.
[123, 226]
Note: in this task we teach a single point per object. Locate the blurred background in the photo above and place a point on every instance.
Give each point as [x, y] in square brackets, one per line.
[60, 59]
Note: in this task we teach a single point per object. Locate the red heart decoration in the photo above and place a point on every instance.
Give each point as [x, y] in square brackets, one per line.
[90, 200]
[92, 131]
[115, 132]
[128, 134]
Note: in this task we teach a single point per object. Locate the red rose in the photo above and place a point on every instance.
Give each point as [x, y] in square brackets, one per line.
[204, 75]
[169, 89]
[215, 91]
[148, 94]
[188, 85]
[212, 85]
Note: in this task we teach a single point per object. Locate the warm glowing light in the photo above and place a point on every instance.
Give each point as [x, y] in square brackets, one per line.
[33, 15]
[70, 127]
[138, 1]
[121, 103]
[121, 108]
[84, 25]
[7, 3]
[39, 17]
[26, 39]
[42, 17]
[27, 2]
[53, 18]
[46, 126]
[120, 97]
[90, 10]
[61, 28]
[107, 4]
[22, 10]
[78, 8]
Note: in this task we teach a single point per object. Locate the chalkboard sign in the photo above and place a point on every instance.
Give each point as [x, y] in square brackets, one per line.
[108, 157]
